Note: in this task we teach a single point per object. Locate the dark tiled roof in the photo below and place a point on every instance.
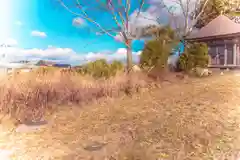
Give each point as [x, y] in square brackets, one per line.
[44, 63]
[62, 65]
[219, 26]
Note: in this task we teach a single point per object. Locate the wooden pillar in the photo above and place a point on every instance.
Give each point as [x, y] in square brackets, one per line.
[234, 53]
[225, 54]
[238, 56]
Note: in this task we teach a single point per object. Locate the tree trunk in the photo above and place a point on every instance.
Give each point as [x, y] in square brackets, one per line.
[128, 43]
[129, 55]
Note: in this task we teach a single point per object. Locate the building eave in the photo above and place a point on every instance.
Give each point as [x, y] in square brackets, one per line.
[231, 36]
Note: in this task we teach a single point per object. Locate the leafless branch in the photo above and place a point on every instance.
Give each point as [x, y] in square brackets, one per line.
[187, 9]
[85, 16]
[115, 13]
[120, 14]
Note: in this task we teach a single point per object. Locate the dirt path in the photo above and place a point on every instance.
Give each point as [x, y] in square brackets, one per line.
[198, 120]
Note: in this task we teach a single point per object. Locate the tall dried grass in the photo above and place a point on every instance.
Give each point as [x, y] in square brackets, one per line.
[28, 96]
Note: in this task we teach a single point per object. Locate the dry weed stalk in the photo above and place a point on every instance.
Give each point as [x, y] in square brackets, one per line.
[29, 96]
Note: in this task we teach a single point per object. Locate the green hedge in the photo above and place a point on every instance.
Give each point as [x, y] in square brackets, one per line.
[156, 52]
[195, 55]
[101, 68]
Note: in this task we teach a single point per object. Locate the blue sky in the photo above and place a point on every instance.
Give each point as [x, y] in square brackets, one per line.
[46, 16]
[42, 29]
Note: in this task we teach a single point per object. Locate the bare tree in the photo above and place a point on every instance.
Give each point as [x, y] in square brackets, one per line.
[215, 8]
[124, 25]
[183, 14]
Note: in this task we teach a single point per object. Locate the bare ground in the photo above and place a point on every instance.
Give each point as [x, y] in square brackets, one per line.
[194, 120]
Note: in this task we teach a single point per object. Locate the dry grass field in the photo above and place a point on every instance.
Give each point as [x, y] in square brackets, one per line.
[194, 119]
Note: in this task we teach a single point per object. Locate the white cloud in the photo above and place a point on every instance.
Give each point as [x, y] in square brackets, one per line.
[18, 23]
[10, 42]
[139, 53]
[119, 54]
[137, 22]
[59, 54]
[143, 20]
[62, 55]
[78, 21]
[119, 37]
[158, 8]
[36, 33]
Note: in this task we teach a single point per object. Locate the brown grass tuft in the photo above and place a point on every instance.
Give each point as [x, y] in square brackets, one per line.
[29, 96]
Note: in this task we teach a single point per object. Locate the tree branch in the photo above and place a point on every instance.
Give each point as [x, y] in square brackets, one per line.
[85, 16]
[185, 9]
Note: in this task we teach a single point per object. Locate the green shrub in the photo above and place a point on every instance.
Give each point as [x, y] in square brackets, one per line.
[156, 52]
[44, 70]
[195, 55]
[97, 69]
[116, 66]
[79, 70]
[101, 69]
[186, 61]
